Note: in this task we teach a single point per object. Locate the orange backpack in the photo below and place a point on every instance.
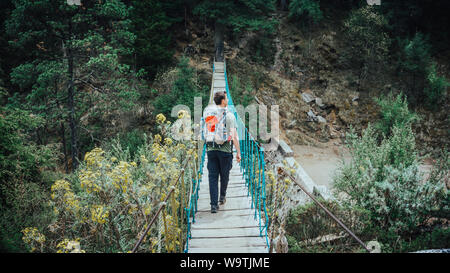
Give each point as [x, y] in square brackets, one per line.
[214, 125]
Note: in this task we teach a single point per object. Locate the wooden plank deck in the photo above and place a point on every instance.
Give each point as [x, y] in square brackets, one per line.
[234, 228]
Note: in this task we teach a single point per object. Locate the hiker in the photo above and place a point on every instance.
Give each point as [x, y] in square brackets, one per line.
[221, 131]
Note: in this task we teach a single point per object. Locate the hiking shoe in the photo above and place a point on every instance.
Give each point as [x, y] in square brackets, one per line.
[222, 200]
[214, 209]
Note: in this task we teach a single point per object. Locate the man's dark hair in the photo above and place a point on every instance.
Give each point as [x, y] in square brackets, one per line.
[218, 97]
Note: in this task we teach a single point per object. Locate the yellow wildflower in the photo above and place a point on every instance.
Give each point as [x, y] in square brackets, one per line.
[160, 118]
[147, 209]
[99, 214]
[88, 179]
[94, 157]
[157, 138]
[121, 176]
[68, 246]
[61, 190]
[132, 209]
[183, 114]
[31, 234]
[143, 159]
[168, 141]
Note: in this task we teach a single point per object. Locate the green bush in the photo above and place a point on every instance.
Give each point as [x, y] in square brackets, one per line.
[425, 86]
[435, 88]
[394, 111]
[262, 48]
[438, 238]
[414, 62]
[109, 200]
[23, 179]
[416, 54]
[241, 92]
[310, 9]
[366, 31]
[24, 204]
[384, 180]
[182, 92]
[131, 141]
[154, 43]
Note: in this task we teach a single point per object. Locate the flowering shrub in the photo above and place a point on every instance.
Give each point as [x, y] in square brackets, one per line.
[383, 180]
[113, 197]
[33, 238]
[67, 246]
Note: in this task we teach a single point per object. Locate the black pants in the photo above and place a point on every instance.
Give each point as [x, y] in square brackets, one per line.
[219, 163]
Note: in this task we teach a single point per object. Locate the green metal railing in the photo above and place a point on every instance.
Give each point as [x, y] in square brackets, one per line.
[191, 210]
[252, 166]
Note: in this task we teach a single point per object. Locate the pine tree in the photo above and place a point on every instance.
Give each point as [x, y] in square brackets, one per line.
[71, 48]
[416, 58]
[305, 9]
[366, 32]
[238, 15]
[154, 44]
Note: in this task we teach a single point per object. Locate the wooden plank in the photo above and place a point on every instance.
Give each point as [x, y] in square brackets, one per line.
[213, 220]
[231, 192]
[229, 250]
[236, 170]
[243, 200]
[236, 207]
[230, 182]
[227, 242]
[219, 89]
[232, 178]
[204, 185]
[204, 198]
[225, 213]
[234, 182]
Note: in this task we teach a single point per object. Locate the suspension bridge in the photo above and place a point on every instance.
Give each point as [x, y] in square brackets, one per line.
[241, 225]
[238, 226]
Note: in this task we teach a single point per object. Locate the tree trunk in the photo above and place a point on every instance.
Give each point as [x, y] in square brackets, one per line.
[284, 5]
[63, 136]
[73, 136]
[219, 29]
[62, 128]
[71, 105]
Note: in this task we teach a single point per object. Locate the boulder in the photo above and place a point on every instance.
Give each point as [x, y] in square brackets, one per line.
[319, 102]
[311, 116]
[307, 97]
[321, 119]
[285, 149]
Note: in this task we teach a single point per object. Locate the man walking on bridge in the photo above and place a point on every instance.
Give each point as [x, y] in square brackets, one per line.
[220, 156]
